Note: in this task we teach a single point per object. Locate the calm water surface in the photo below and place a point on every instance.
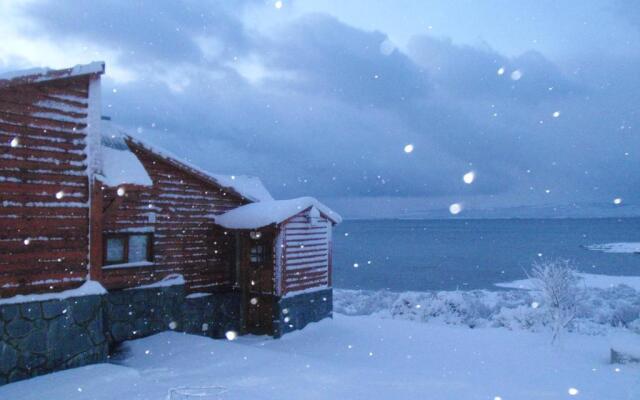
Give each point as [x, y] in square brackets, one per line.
[472, 254]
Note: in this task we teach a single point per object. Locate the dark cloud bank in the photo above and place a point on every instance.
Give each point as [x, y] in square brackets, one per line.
[332, 112]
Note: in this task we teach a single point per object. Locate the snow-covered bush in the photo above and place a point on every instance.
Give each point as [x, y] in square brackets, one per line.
[523, 317]
[597, 309]
[363, 302]
[557, 282]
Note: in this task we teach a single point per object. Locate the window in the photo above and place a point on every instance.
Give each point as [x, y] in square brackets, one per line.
[123, 249]
[115, 250]
[257, 254]
[138, 248]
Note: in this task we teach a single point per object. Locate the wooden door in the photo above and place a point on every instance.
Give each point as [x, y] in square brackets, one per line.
[258, 284]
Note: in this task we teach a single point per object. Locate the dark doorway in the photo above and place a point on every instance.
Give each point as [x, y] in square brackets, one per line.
[257, 282]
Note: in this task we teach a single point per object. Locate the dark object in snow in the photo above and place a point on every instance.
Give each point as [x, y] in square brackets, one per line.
[622, 357]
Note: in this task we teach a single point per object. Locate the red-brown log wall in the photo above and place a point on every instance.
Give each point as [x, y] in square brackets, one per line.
[43, 239]
[185, 238]
[307, 254]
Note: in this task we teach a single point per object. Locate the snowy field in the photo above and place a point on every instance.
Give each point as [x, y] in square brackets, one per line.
[357, 357]
[480, 344]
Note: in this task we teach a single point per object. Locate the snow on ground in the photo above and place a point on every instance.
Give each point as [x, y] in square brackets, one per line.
[353, 358]
[587, 280]
[622, 247]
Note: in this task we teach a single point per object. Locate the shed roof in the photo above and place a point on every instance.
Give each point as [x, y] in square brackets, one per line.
[37, 75]
[258, 215]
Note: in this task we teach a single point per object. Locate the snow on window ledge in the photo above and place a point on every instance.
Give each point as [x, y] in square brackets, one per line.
[169, 280]
[137, 264]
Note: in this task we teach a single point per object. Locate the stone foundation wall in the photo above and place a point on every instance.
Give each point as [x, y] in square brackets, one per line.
[40, 337]
[295, 312]
[136, 313]
[212, 315]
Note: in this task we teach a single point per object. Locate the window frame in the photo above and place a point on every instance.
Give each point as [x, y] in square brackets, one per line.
[125, 252]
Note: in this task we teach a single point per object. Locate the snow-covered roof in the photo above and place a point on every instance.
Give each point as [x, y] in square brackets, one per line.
[119, 165]
[264, 213]
[35, 75]
[249, 187]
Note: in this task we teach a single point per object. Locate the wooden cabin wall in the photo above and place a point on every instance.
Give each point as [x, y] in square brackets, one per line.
[43, 238]
[306, 259]
[185, 240]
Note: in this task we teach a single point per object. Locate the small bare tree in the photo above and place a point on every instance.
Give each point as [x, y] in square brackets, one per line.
[557, 281]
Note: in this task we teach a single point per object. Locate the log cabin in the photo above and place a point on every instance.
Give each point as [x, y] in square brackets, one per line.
[91, 214]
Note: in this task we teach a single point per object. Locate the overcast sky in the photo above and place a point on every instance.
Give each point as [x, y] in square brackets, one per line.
[541, 99]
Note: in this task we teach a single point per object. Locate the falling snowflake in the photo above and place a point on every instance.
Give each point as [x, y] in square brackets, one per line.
[501, 71]
[120, 191]
[516, 75]
[556, 114]
[535, 304]
[469, 177]
[15, 142]
[253, 301]
[408, 148]
[617, 201]
[387, 47]
[278, 4]
[573, 391]
[231, 335]
[59, 195]
[173, 325]
[27, 241]
[455, 208]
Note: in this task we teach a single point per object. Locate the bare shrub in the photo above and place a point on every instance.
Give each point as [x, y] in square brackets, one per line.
[558, 284]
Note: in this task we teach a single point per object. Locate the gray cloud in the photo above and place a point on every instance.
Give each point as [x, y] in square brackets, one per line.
[154, 29]
[333, 113]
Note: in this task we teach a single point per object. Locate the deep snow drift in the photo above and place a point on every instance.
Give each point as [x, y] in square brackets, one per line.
[353, 358]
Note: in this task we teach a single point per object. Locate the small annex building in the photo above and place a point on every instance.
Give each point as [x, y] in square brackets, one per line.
[107, 238]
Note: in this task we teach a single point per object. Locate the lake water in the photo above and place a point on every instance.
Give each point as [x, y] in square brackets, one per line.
[472, 254]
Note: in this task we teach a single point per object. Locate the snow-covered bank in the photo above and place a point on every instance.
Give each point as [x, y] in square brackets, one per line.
[622, 247]
[353, 358]
[599, 309]
[586, 280]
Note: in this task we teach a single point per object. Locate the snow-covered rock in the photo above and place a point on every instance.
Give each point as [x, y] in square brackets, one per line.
[620, 247]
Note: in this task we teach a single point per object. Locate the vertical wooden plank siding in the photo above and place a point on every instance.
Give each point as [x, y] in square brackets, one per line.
[44, 187]
[178, 210]
[306, 253]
